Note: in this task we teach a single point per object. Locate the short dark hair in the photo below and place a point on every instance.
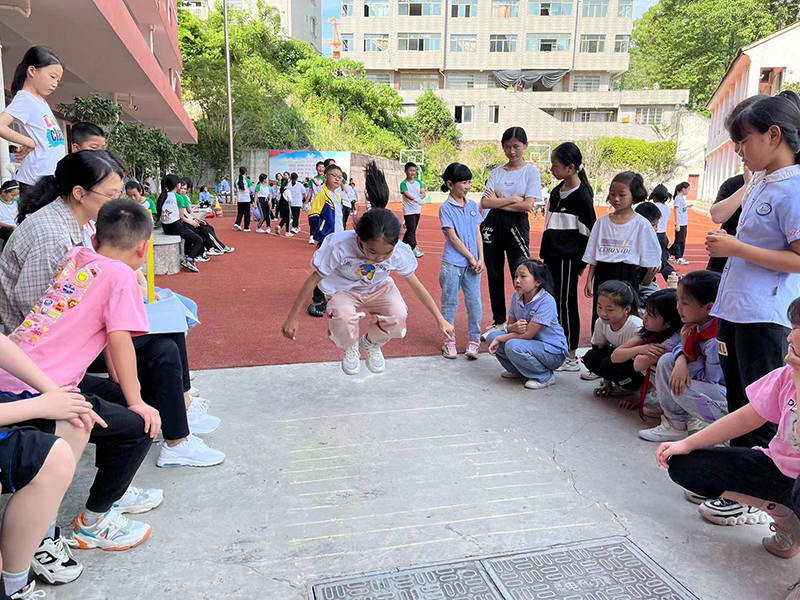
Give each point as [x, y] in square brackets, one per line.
[621, 293]
[409, 165]
[122, 224]
[635, 184]
[538, 271]
[759, 113]
[649, 211]
[660, 192]
[133, 185]
[331, 168]
[455, 172]
[794, 313]
[701, 285]
[83, 130]
[514, 133]
[664, 304]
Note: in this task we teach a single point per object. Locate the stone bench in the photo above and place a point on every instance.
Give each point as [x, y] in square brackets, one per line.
[167, 253]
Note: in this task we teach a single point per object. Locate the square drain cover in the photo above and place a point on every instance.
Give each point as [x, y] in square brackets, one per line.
[604, 569]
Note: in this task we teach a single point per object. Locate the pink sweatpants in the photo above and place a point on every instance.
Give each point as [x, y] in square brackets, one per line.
[386, 307]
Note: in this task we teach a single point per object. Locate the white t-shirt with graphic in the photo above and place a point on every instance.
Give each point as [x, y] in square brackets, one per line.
[634, 243]
[666, 211]
[683, 212]
[38, 123]
[412, 207]
[525, 182]
[344, 267]
[605, 336]
[170, 213]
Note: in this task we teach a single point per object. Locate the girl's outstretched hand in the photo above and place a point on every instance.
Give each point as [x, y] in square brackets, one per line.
[290, 327]
[444, 327]
[668, 449]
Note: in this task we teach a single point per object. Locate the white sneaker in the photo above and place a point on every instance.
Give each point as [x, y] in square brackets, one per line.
[694, 425]
[229, 249]
[653, 411]
[259, 230]
[589, 376]
[682, 261]
[54, 562]
[571, 365]
[667, 431]
[351, 360]
[418, 253]
[728, 512]
[311, 241]
[215, 252]
[138, 500]
[248, 229]
[113, 531]
[269, 230]
[532, 384]
[510, 375]
[29, 592]
[200, 422]
[289, 234]
[374, 355]
[192, 453]
[237, 227]
[500, 327]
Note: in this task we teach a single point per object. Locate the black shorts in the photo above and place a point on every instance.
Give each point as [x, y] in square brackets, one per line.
[23, 451]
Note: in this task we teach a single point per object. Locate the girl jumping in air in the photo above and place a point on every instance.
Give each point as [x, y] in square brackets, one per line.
[353, 268]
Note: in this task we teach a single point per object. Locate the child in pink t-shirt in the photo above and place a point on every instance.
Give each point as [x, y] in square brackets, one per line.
[755, 479]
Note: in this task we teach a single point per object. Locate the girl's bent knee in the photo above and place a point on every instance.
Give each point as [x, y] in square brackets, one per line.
[59, 467]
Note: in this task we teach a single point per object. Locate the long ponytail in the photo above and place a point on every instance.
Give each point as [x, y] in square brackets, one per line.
[240, 182]
[379, 222]
[569, 154]
[169, 183]
[37, 57]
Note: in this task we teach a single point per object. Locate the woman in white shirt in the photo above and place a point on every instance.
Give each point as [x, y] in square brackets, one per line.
[298, 192]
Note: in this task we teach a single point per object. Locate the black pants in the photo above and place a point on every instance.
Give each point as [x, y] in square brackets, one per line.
[285, 213]
[210, 239]
[505, 235]
[679, 245]
[598, 361]
[193, 242]
[296, 216]
[345, 215]
[263, 206]
[566, 272]
[121, 447]
[666, 268]
[606, 272]
[243, 212]
[748, 351]
[412, 222]
[5, 232]
[711, 471]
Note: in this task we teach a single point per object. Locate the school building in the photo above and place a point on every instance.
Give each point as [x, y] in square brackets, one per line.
[764, 67]
[551, 66]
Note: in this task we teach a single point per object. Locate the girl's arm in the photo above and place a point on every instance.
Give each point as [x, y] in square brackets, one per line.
[481, 266]
[721, 244]
[650, 275]
[290, 326]
[459, 246]
[587, 289]
[12, 136]
[429, 303]
[675, 214]
[184, 218]
[739, 422]
[723, 210]
[123, 364]
[630, 349]
[525, 206]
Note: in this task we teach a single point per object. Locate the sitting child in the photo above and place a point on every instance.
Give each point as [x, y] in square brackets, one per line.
[658, 336]
[689, 380]
[535, 345]
[760, 479]
[647, 279]
[617, 306]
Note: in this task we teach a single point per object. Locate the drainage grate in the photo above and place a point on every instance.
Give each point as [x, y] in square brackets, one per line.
[604, 569]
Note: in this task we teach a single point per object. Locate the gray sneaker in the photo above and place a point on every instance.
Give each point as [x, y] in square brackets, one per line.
[571, 365]
[351, 360]
[418, 253]
[374, 355]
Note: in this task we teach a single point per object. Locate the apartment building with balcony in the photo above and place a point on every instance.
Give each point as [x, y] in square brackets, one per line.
[548, 65]
[125, 50]
[763, 67]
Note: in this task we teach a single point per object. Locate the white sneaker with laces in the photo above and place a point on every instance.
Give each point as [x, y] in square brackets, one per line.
[351, 360]
[229, 249]
[54, 563]
[728, 512]
[495, 327]
[532, 384]
[138, 500]
[215, 252]
[29, 592]
[667, 431]
[682, 261]
[571, 365]
[374, 355]
[192, 453]
[200, 422]
[114, 531]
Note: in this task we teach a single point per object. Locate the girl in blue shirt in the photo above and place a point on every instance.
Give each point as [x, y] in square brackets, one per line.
[762, 275]
[535, 344]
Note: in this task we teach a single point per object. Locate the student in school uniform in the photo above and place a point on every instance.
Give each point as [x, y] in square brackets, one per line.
[9, 192]
[414, 194]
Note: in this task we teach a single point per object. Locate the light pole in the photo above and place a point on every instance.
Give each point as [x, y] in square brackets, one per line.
[230, 103]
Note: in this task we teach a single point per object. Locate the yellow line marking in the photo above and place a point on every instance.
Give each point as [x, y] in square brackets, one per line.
[315, 469]
[430, 437]
[377, 412]
[323, 493]
[443, 446]
[300, 460]
[321, 480]
[532, 529]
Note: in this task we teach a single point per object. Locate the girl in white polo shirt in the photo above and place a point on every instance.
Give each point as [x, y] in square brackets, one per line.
[352, 269]
[42, 140]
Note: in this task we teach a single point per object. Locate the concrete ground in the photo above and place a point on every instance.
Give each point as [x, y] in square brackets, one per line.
[434, 460]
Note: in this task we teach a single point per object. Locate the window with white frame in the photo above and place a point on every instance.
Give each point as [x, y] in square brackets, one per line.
[463, 43]
[548, 42]
[622, 43]
[593, 44]
[347, 8]
[586, 83]
[595, 8]
[502, 43]
[376, 42]
[376, 8]
[419, 42]
[494, 113]
[550, 9]
[597, 116]
[419, 81]
[419, 8]
[378, 78]
[463, 114]
[649, 115]
[464, 9]
[347, 42]
[505, 9]
[625, 9]
[463, 81]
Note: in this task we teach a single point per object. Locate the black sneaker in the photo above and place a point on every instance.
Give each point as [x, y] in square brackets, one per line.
[54, 563]
[316, 310]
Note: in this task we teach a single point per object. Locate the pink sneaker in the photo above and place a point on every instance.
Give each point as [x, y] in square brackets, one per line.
[473, 348]
[449, 349]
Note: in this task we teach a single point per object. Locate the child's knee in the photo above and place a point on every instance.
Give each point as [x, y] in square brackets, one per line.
[59, 467]
[515, 347]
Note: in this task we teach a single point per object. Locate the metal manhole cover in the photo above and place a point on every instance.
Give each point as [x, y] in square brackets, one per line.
[608, 569]
[460, 581]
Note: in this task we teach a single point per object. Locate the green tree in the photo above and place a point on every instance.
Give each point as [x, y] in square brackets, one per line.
[434, 121]
[690, 43]
[95, 109]
[441, 154]
[481, 161]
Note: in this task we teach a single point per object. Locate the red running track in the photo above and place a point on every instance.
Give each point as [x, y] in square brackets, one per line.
[244, 297]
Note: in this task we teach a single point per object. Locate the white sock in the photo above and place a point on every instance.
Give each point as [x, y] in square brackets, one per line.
[51, 533]
[90, 517]
[14, 582]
